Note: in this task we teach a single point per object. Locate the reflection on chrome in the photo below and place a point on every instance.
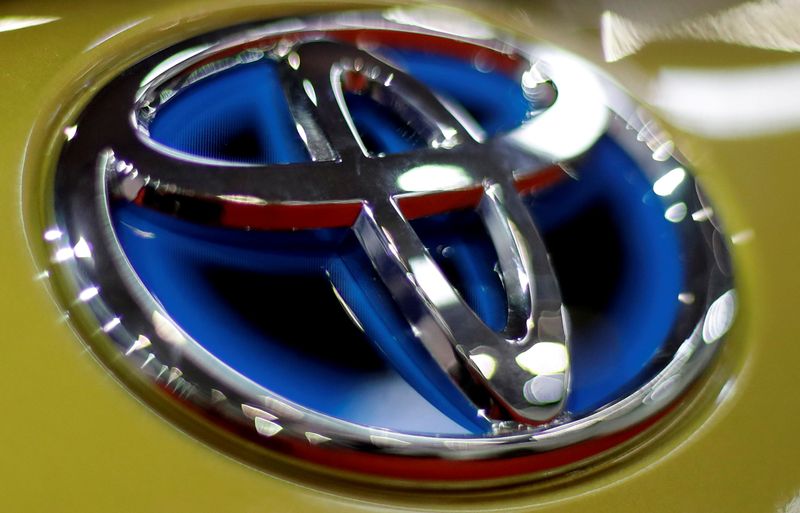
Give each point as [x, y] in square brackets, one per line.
[52, 235]
[434, 177]
[676, 213]
[252, 412]
[545, 389]
[316, 438]
[88, 293]
[63, 254]
[485, 362]
[110, 325]
[576, 119]
[310, 91]
[663, 151]
[544, 358]
[346, 307]
[663, 389]
[82, 249]
[242, 199]
[140, 343]
[667, 184]
[266, 427]
[727, 391]
[704, 214]
[70, 131]
[539, 88]
[388, 441]
[171, 62]
[719, 318]
[281, 408]
[166, 329]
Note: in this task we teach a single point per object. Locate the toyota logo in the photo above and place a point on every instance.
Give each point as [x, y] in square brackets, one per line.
[517, 378]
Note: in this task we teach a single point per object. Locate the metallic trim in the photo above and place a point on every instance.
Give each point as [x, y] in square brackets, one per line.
[120, 159]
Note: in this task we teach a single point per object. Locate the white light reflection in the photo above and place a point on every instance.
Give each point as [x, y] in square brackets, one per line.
[294, 60]
[52, 235]
[302, 132]
[728, 389]
[719, 317]
[450, 138]
[110, 325]
[70, 132]
[251, 412]
[9, 23]
[664, 390]
[687, 298]
[140, 343]
[88, 293]
[699, 100]
[544, 358]
[704, 214]
[63, 254]
[310, 91]
[387, 441]
[174, 374]
[242, 199]
[485, 363]
[281, 409]
[349, 311]
[316, 438]
[172, 61]
[544, 389]
[576, 120]
[266, 427]
[217, 396]
[670, 181]
[434, 177]
[166, 329]
[148, 360]
[82, 249]
[676, 213]
[431, 280]
[664, 151]
[161, 372]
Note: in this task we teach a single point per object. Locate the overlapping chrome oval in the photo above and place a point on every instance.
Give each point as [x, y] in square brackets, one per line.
[108, 153]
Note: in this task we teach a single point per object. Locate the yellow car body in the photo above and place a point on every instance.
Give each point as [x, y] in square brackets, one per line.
[76, 439]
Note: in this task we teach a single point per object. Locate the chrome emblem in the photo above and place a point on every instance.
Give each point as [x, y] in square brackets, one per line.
[517, 378]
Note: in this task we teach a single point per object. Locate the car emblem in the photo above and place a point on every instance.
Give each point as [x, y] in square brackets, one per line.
[512, 379]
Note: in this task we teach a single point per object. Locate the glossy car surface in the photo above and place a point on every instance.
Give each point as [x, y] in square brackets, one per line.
[76, 440]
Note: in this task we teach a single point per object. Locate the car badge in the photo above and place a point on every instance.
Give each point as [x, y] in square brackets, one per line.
[514, 378]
